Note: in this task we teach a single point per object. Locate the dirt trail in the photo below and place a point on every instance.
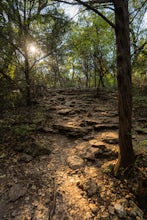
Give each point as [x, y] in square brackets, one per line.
[73, 181]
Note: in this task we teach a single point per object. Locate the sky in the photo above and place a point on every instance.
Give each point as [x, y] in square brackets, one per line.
[145, 20]
[71, 11]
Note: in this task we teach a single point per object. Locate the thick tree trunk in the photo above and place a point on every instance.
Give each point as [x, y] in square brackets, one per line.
[121, 26]
[126, 155]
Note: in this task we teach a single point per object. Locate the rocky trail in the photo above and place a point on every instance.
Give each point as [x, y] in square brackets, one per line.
[57, 158]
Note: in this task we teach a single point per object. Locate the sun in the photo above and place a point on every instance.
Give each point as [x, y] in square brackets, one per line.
[32, 48]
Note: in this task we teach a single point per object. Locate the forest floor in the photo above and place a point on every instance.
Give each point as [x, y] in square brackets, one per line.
[57, 157]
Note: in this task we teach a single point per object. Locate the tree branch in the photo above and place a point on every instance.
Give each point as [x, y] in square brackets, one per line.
[100, 1]
[139, 49]
[10, 79]
[137, 10]
[41, 58]
[7, 40]
[88, 6]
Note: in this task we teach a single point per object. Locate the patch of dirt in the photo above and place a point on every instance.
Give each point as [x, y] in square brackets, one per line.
[57, 157]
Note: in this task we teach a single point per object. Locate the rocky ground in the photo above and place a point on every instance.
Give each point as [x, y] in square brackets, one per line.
[57, 158]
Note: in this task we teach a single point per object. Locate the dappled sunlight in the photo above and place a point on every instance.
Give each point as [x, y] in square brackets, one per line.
[111, 134]
[67, 182]
[85, 190]
[73, 177]
[84, 186]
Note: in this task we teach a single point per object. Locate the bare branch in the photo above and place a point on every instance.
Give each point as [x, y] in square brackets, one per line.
[7, 77]
[139, 49]
[67, 2]
[41, 58]
[7, 40]
[100, 1]
[97, 12]
[137, 10]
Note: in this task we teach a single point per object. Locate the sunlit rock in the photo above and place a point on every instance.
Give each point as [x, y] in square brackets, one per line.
[120, 210]
[75, 162]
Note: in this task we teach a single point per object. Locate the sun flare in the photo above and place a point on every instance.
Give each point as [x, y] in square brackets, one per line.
[32, 49]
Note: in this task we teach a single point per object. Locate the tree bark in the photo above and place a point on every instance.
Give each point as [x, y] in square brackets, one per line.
[27, 77]
[126, 155]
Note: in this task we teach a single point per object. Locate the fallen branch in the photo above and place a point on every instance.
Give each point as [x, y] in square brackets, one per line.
[53, 204]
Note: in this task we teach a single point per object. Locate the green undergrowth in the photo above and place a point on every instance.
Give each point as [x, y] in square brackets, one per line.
[24, 129]
[140, 100]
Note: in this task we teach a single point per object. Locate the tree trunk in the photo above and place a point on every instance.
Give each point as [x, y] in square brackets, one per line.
[25, 32]
[121, 26]
[27, 77]
[126, 155]
[101, 81]
[95, 78]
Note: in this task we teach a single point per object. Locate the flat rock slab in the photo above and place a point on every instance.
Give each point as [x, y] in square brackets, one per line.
[16, 191]
[88, 122]
[71, 130]
[75, 162]
[110, 140]
[65, 111]
[123, 207]
[140, 130]
[97, 144]
[100, 127]
[90, 153]
[25, 158]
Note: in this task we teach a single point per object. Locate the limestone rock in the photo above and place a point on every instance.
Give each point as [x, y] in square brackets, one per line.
[65, 111]
[140, 130]
[120, 207]
[71, 130]
[94, 208]
[100, 127]
[135, 210]
[75, 162]
[108, 167]
[110, 140]
[88, 122]
[62, 98]
[17, 191]
[111, 209]
[106, 153]
[90, 153]
[120, 210]
[25, 158]
[90, 186]
[105, 215]
[97, 144]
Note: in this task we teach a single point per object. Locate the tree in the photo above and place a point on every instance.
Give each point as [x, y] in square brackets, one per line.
[25, 24]
[138, 32]
[91, 56]
[126, 156]
[121, 28]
